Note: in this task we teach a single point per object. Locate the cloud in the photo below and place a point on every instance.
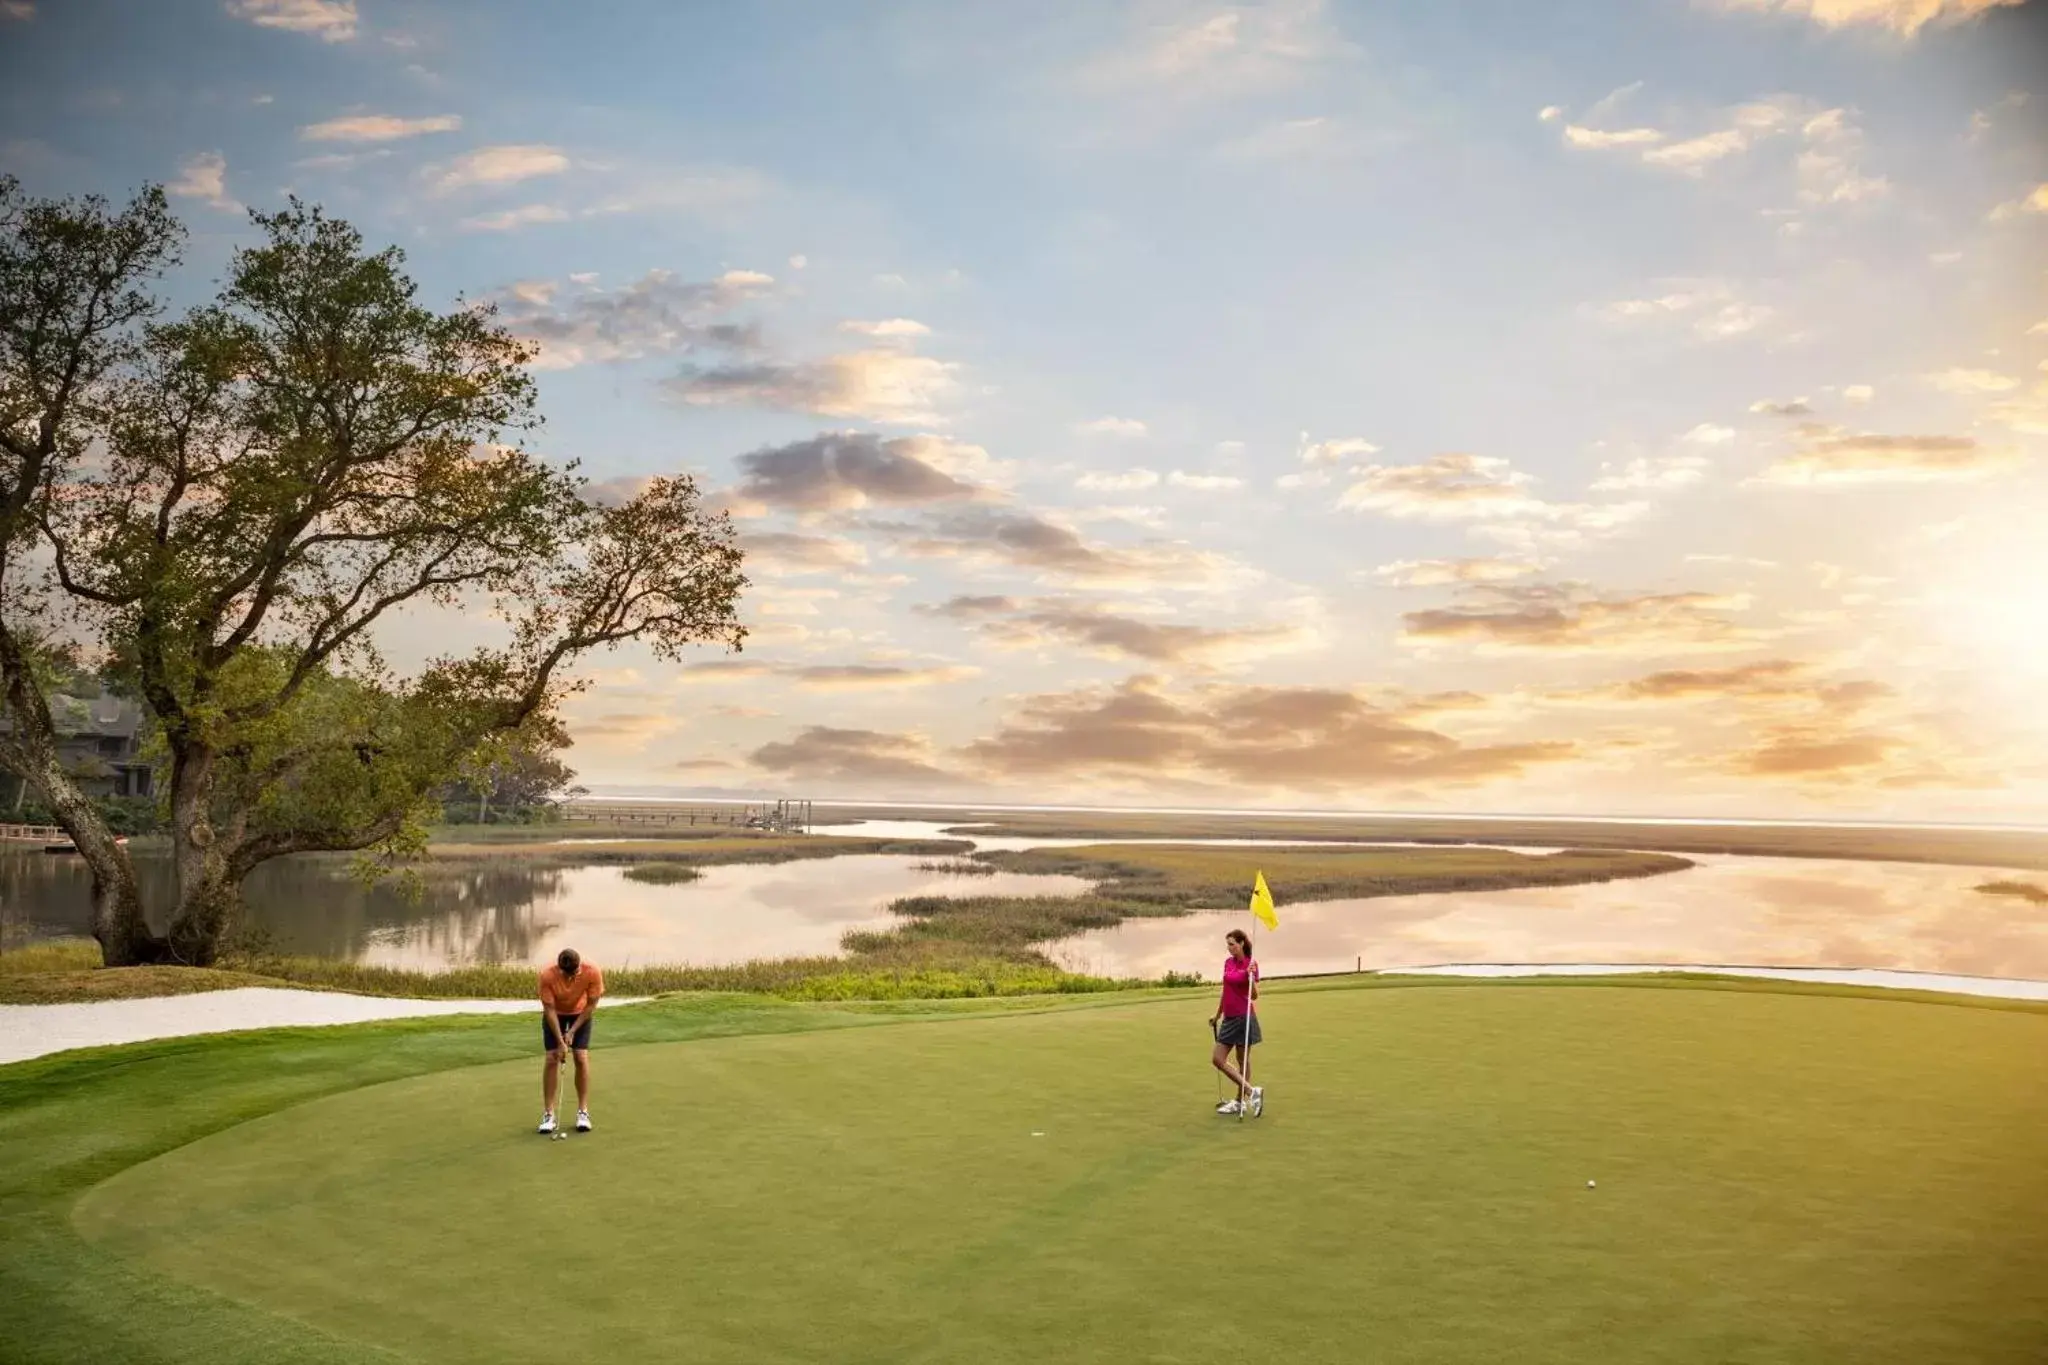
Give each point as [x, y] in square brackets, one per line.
[1042, 623]
[789, 554]
[1742, 127]
[502, 165]
[22, 10]
[377, 128]
[1858, 393]
[1764, 688]
[821, 753]
[507, 220]
[1970, 383]
[1645, 472]
[842, 471]
[1709, 434]
[1024, 540]
[2035, 201]
[875, 677]
[1568, 619]
[1487, 492]
[626, 727]
[1437, 573]
[1797, 407]
[332, 21]
[1906, 17]
[888, 386]
[657, 314]
[1599, 140]
[887, 328]
[1443, 488]
[1319, 453]
[204, 177]
[1112, 426]
[1225, 53]
[1302, 739]
[1811, 752]
[1833, 457]
[1204, 483]
[1829, 165]
[1130, 481]
[1709, 308]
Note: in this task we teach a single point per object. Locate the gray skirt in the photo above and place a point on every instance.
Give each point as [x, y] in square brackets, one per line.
[1230, 1030]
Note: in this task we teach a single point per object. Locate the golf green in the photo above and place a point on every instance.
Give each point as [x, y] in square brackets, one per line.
[1780, 1177]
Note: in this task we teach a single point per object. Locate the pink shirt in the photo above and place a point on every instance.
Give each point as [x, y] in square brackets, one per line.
[1238, 976]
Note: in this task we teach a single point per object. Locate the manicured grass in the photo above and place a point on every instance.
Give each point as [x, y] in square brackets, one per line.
[770, 1183]
[1139, 880]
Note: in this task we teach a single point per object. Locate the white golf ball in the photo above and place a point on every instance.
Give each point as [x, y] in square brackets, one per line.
[1589, 1184]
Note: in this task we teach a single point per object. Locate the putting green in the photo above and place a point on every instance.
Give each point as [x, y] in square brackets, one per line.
[1780, 1178]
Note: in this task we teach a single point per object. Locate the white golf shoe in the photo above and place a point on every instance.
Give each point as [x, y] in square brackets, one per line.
[1258, 1101]
[547, 1124]
[1230, 1107]
[582, 1120]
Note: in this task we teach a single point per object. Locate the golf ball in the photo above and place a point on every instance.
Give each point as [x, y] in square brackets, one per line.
[1589, 1184]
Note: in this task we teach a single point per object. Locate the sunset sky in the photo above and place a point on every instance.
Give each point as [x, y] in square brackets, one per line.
[1631, 406]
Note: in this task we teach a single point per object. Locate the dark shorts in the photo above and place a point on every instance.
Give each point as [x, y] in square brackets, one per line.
[1230, 1030]
[575, 1027]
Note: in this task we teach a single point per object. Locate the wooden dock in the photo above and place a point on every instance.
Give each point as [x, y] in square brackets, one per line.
[777, 817]
[33, 834]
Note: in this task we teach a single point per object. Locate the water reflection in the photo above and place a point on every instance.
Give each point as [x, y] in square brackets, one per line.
[1734, 910]
[510, 912]
[1788, 912]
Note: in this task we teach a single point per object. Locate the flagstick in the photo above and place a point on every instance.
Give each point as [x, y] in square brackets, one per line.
[1244, 1069]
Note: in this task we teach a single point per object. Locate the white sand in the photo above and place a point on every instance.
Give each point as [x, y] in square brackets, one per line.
[37, 1030]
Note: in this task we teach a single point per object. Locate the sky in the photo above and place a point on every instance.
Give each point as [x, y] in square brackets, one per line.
[1624, 407]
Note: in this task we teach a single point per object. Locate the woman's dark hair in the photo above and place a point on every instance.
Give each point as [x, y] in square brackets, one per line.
[568, 960]
[1239, 936]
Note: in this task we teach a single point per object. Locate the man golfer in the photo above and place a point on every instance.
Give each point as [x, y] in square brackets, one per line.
[569, 992]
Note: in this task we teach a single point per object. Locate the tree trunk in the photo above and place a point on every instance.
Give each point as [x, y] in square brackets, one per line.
[117, 918]
[209, 890]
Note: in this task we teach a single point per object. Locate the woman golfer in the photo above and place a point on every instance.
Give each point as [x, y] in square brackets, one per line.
[1236, 1025]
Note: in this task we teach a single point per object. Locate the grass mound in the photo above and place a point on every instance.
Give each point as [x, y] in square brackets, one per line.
[1417, 1190]
[663, 874]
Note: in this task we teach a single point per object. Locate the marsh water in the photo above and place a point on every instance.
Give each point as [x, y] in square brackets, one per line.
[1736, 910]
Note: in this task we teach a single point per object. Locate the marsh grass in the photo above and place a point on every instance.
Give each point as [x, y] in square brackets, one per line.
[2026, 891]
[69, 970]
[958, 867]
[1135, 882]
[699, 851]
[663, 874]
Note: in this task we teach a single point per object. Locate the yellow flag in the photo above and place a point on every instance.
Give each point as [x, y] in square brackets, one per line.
[1262, 903]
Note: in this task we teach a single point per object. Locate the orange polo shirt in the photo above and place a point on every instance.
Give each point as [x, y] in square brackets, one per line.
[571, 994]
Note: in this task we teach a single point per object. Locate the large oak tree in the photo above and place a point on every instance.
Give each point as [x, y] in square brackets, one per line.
[235, 503]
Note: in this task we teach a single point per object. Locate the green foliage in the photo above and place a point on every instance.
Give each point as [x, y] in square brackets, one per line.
[284, 469]
[124, 815]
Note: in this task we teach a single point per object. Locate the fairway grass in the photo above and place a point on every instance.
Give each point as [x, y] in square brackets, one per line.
[1784, 1175]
